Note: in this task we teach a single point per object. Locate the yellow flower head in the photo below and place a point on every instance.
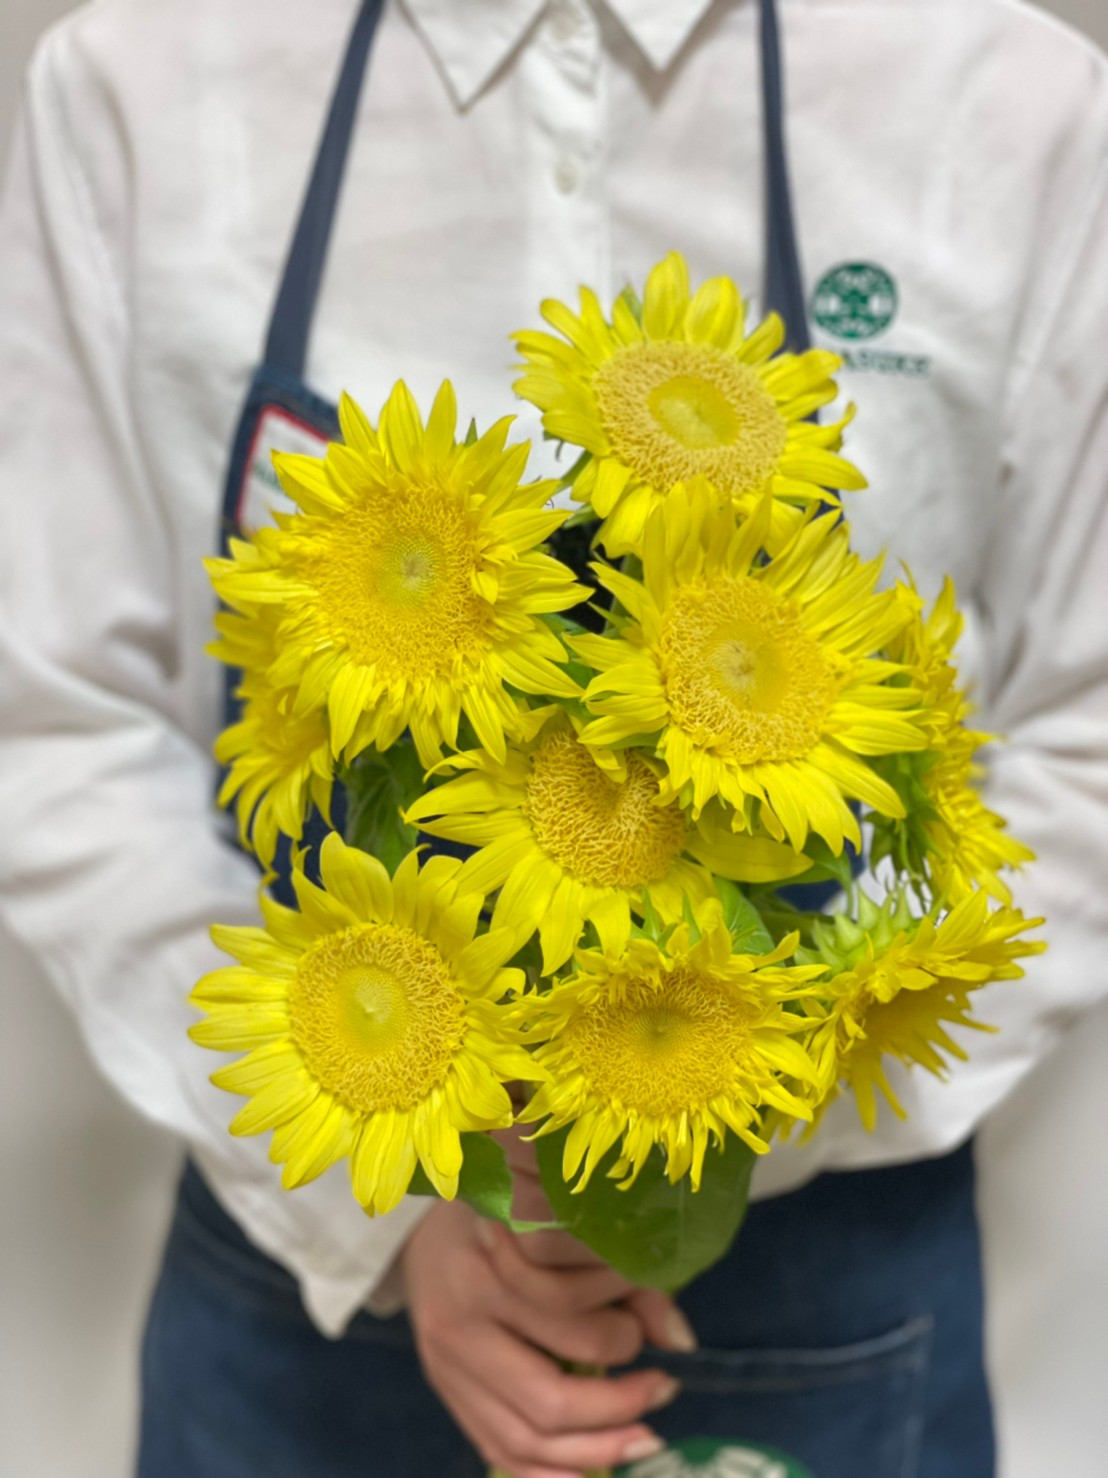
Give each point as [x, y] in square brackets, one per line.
[679, 393]
[279, 763]
[568, 837]
[966, 846]
[898, 999]
[409, 585]
[925, 645]
[373, 1024]
[668, 1044]
[759, 676]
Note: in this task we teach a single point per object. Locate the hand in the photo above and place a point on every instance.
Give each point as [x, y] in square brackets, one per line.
[662, 1322]
[483, 1314]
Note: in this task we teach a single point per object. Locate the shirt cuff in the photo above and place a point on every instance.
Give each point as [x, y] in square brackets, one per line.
[343, 1260]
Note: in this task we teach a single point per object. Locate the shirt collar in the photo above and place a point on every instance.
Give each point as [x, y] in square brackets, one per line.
[660, 28]
[472, 41]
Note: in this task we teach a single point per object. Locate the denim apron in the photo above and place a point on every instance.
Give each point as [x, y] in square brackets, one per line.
[841, 1339]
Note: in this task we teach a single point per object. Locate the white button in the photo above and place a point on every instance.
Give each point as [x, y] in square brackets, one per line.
[564, 21]
[567, 176]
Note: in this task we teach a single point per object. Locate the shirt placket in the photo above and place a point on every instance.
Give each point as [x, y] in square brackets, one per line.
[564, 73]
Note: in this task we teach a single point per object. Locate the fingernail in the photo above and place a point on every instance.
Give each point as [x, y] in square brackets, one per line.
[679, 1332]
[486, 1234]
[642, 1447]
[668, 1391]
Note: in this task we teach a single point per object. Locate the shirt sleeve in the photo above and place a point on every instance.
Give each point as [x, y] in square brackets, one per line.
[1045, 647]
[111, 865]
[1041, 647]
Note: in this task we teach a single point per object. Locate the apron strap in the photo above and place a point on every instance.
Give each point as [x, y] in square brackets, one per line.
[294, 308]
[784, 285]
[291, 322]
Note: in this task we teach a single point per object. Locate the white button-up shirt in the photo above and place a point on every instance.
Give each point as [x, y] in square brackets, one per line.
[506, 151]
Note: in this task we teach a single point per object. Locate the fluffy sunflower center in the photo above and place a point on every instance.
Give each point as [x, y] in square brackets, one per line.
[394, 583]
[377, 1016]
[661, 1046]
[743, 677]
[674, 410]
[600, 830]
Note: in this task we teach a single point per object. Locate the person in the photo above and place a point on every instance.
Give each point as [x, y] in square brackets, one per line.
[949, 181]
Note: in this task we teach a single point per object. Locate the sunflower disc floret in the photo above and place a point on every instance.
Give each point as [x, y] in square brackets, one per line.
[374, 1024]
[570, 835]
[908, 982]
[678, 390]
[279, 765]
[758, 676]
[950, 840]
[411, 586]
[669, 1044]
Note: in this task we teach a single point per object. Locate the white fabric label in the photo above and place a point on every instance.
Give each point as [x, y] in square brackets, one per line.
[260, 494]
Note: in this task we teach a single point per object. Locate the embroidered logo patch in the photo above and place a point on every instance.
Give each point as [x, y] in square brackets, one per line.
[712, 1459]
[857, 300]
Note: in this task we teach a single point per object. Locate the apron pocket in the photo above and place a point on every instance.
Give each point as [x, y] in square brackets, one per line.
[843, 1412]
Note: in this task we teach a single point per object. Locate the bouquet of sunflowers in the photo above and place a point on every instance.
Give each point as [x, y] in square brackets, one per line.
[705, 844]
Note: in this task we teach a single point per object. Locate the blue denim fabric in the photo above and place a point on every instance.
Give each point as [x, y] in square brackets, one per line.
[845, 1329]
[238, 1383]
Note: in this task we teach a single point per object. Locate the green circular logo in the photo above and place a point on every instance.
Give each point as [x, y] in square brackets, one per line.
[704, 1458]
[855, 301]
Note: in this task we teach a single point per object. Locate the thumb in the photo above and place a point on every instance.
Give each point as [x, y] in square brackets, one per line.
[663, 1324]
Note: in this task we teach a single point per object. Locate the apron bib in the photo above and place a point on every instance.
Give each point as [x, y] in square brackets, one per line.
[850, 1403]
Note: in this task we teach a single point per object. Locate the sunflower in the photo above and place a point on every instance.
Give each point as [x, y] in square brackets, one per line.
[373, 1024]
[409, 585]
[278, 764]
[908, 982]
[758, 676]
[968, 844]
[680, 391]
[568, 837]
[668, 1044]
[959, 843]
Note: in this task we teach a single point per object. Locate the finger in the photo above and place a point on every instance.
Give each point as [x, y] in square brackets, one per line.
[515, 1442]
[536, 1388]
[663, 1323]
[565, 1291]
[482, 1418]
[604, 1338]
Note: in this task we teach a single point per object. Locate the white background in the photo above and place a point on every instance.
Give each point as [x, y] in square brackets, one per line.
[86, 1190]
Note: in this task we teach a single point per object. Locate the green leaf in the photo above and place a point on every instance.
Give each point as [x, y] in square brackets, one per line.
[826, 867]
[569, 478]
[748, 930]
[472, 434]
[379, 788]
[562, 623]
[696, 934]
[579, 516]
[652, 927]
[656, 1234]
[485, 1182]
[528, 958]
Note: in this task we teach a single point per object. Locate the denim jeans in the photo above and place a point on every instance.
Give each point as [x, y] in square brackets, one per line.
[845, 1328]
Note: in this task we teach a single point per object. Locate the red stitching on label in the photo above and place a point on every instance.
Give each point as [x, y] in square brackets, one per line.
[284, 415]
